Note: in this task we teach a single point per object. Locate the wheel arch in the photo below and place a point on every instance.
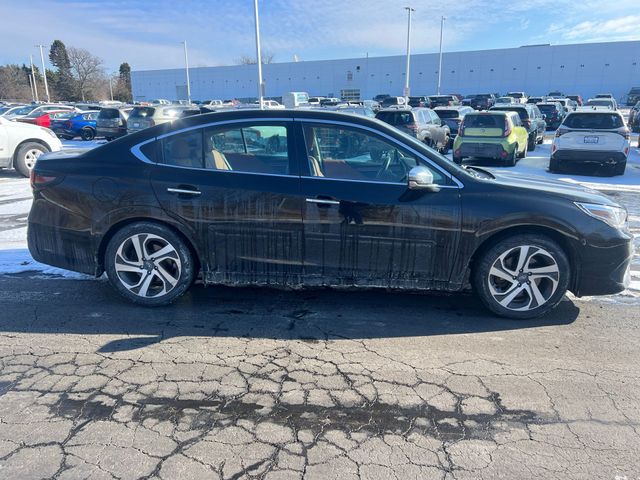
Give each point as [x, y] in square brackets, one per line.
[23, 142]
[565, 242]
[116, 227]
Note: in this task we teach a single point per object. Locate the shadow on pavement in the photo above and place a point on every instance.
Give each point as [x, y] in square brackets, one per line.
[92, 308]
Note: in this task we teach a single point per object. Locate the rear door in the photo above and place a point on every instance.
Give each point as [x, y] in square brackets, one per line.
[362, 226]
[236, 184]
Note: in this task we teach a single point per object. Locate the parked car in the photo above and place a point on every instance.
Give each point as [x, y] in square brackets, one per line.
[633, 97]
[372, 104]
[145, 117]
[535, 100]
[531, 119]
[315, 101]
[329, 101]
[452, 117]
[443, 101]
[88, 107]
[591, 137]
[34, 110]
[18, 111]
[600, 104]
[505, 101]
[393, 101]
[577, 99]
[604, 95]
[272, 105]
[568, 104]
[493, 135]
[356, 110]
[380, 97]
[112, 122]
[521, 97]
[371, 209]
[422, 101]
[556, 94]
[43, 118]
[73, 124]
[634, 117]
[553, 113]
[22, 143]
[421, 123]
[482, 101]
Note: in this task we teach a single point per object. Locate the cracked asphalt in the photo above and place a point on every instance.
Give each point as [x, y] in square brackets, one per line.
[257, 383]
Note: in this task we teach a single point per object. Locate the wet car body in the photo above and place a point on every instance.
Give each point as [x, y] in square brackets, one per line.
[293, 229]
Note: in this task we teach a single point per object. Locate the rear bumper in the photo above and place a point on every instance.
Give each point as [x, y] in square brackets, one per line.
[483, 150]
[604, 270]
[588, 157]
[114, 132]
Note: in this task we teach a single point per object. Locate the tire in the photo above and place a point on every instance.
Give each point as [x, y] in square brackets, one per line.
[26, 157]
[531, 145]
[87, 134]
[619, 168]
[457, 160]
[528, 295]
[108, 139]
[165, 280]
[554, 165]
[524, 152]
[445, 146]
[513, 159]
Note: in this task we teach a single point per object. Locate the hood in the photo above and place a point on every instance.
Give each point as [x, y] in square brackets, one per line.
[533, 185]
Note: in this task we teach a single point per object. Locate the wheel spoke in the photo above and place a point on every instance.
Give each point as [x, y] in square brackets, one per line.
[533, 288]
[137, 245]
[165, 276]
[164, 253]
[522, 259]
[509, 298]
[144, 288]
[127, 267]
[495, 271]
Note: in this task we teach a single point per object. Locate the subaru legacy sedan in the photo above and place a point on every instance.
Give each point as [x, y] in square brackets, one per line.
[310, 198]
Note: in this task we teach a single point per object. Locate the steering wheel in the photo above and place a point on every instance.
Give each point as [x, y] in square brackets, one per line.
[393, 168]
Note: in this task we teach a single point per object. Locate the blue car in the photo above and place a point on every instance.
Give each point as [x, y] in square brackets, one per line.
[76, 125]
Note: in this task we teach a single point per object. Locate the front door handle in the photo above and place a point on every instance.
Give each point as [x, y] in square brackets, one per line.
[323, 201]
[184, 191]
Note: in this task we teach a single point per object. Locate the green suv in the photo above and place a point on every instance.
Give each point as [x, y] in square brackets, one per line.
[491, 134]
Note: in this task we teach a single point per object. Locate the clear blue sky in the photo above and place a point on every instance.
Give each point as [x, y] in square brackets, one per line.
[147, 34]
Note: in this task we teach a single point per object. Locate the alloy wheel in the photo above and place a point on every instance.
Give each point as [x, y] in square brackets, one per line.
[147, 265]
[31, 156]
[523, 278]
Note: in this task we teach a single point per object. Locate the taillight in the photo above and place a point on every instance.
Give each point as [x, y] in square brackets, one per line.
[39, 180]
[507, 127]
[561, 131]
[626, 133]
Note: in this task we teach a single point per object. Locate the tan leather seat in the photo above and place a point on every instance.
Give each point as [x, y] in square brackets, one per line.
[314, 164]
[219, 160]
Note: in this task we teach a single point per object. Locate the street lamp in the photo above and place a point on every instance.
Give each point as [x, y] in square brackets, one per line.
[186, 66]
[44, 74]
[406, 79]
[440, 61]
[258, 56]
[33, 76]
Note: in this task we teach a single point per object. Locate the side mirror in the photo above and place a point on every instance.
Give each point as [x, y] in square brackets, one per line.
[421, 178]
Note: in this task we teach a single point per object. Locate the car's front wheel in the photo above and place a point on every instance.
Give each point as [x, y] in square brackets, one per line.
[523, 276]
[532, 142]
[149, 264]
[27, 155]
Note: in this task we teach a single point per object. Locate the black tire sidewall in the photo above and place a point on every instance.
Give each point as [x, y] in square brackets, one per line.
[186, 259]
[481, 270]
[20, 164]
[87, 134]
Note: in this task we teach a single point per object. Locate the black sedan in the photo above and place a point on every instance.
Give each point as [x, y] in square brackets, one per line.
[311, 198]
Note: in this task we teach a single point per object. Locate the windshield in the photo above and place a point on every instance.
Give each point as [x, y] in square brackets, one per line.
[599, 103]
[599, 121]
[142, 112]
[483, 121]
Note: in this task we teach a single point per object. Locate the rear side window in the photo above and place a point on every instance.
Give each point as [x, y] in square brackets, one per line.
[598, 121]
[183, 149]
[396, 118]
[109, 113]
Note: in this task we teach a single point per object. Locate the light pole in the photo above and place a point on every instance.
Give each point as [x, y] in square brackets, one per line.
[33, 76]
[44, 73]
[111, 88]
[406, 78]
[258, 56]
[440, 60]
[186, 66]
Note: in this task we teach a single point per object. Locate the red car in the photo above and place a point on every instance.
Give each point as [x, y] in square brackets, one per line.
[44, 119]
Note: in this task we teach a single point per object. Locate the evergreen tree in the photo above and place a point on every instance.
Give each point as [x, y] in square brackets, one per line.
[124, 83]
[64, 83]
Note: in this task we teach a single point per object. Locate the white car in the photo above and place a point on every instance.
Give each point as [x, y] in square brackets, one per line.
[600, 104]
[520, 97]
[22, 143]
[591, 137]
[272, 105]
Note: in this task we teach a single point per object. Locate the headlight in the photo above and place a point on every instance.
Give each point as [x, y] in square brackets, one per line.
[614, 216]
[49, 132]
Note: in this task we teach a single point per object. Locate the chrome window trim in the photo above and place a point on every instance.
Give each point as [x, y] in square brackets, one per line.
[388, 137]
[135, 150]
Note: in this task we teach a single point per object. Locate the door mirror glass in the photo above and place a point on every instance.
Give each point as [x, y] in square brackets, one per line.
[421, 178]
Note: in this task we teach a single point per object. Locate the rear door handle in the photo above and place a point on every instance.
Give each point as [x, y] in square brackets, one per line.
[323, 201]
[184, 191]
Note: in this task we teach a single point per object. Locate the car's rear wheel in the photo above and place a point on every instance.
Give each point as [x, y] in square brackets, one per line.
[513, 158]
[554, 165]
[149, 264]
[523, 276]
[524, 152]
[619, 168]
[26, 157]
[457, 159]
[87, 134]
[532, 142]
[445, 146]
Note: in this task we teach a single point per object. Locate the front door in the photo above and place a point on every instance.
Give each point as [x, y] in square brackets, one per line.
[362, 225]
[237, 184]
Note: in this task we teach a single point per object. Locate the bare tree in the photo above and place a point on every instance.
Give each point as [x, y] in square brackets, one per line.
[14, 83]
[267, 57]
[87, 69]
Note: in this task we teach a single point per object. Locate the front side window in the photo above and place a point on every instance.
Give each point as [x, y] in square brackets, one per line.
[343, 153]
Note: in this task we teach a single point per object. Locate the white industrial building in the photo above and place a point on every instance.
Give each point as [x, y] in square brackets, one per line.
[585, 69]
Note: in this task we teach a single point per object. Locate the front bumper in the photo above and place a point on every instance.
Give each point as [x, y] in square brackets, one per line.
[588, 157]
[604, 270]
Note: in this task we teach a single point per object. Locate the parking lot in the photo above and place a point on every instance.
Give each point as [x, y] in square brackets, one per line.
[248, 382]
